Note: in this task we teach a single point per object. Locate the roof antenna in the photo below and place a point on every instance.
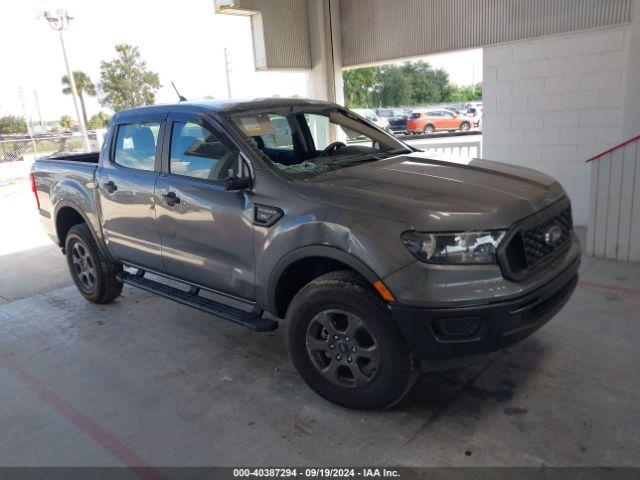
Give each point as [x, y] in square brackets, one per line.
[182, 99]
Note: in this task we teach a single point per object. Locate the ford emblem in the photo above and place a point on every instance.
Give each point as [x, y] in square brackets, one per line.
[553, 235]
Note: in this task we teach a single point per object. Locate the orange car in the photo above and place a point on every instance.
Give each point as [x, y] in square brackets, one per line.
[428, 121]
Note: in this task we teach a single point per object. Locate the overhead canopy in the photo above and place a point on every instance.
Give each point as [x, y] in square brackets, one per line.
[376, 31]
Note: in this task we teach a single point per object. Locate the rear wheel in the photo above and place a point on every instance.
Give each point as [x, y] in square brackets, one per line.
[93, 274]
[341, 340]
[428, 129]
[465, 126]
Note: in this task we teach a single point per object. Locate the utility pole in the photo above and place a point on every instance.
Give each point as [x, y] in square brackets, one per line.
[35, 96]
[227, 69]
[60, 21]
[27, 120]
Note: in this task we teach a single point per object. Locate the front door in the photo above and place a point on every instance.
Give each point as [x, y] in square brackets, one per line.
[449, 121]
[206, 232]
[126, 181]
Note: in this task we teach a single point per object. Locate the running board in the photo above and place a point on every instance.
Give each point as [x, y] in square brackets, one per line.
[253, 321]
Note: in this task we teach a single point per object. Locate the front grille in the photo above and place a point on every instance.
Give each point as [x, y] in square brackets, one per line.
[528, 249]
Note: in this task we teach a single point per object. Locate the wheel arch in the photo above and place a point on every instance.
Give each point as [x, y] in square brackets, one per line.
[303, 265]
[68, 214]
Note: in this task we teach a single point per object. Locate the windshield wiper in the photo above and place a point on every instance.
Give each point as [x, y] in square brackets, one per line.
[368, 157]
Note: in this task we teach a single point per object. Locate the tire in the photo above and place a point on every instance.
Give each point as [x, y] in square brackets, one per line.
[428, 129]
[371, 369]
[465, 126]
[93, 274]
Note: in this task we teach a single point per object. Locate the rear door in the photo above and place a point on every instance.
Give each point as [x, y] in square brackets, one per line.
[126, 181]
[449, 120]
[433, 118]
[206, 231]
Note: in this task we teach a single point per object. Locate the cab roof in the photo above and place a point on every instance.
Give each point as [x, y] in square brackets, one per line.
[225, 106]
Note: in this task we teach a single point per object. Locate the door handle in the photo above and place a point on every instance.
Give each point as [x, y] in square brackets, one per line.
[171, 199]
[110, 186]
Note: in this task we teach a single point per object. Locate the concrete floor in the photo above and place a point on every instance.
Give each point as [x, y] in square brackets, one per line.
[145, 381]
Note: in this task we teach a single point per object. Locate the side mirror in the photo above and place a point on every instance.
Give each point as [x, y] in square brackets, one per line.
[233, 183]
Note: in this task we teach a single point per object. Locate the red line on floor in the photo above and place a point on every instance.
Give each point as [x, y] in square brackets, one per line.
[609, 287]
[107, 441]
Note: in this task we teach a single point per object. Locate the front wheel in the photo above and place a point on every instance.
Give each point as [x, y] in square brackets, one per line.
[341, 340]
[465, 126]
[428, 129]
[94, 275]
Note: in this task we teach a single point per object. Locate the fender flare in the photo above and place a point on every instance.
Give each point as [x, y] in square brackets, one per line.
[325, 251]
[68, 204]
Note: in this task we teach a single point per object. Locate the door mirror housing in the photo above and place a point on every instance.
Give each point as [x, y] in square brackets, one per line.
[233, 183]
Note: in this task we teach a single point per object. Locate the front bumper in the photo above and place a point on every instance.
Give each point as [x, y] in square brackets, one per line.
[440, 334]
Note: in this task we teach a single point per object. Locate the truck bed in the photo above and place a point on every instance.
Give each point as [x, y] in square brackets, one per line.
[65, 177]
[91, 157]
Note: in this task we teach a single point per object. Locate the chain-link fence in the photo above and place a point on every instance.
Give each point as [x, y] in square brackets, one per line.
[17, 148]
[18, 152]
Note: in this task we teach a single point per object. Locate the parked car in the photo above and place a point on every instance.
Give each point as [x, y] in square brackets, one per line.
[430, 121]
[475, 113]
[382, 259]
[397, 118]
[373, 117]
[454, 110]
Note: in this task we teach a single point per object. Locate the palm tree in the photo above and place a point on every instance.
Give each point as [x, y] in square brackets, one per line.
[83, 85]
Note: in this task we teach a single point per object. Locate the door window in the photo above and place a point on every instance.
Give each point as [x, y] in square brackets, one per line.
[280, 136]
[136, 145]
[324, 131]
[197, 152]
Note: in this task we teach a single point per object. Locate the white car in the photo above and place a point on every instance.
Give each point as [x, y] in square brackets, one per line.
[373, 117]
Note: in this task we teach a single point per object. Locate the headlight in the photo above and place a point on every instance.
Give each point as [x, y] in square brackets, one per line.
[454, 248]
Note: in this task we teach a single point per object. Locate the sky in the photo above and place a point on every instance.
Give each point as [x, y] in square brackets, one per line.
[182, 41]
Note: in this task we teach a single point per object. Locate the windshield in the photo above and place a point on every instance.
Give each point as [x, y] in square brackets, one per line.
[303, 141]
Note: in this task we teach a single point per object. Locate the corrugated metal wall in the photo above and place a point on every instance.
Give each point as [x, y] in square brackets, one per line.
[614, 211]
[284, 31]
[383, 30]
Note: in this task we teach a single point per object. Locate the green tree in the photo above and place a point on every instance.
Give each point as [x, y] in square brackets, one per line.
[429, 85]
[125, 81]
[466, 93]
[410, 83]
[84, 85]
[66, 121]
[99, 120]
[393, 87]
[10, 124]
[359, 87]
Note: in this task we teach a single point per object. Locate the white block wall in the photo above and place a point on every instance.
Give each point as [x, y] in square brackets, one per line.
[551, 103]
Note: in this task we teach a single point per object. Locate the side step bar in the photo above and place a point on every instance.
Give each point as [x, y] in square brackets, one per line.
[253, 321]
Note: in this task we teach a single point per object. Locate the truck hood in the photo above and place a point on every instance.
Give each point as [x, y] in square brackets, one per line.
[436, 193]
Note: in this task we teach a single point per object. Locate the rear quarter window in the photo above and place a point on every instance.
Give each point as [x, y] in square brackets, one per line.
[136, 145]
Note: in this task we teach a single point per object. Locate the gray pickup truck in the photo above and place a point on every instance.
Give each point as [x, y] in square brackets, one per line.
[383, 260]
